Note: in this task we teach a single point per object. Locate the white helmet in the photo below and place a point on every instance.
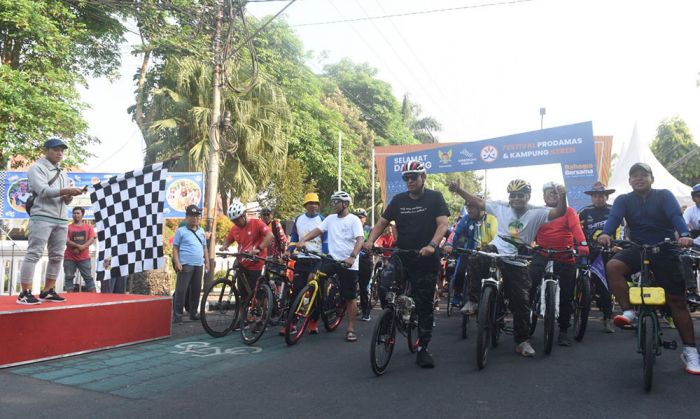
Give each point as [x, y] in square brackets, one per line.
[549, 185]
[235, 210]
[341, 196]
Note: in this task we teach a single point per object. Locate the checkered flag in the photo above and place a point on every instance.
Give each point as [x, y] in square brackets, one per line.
[129, 220]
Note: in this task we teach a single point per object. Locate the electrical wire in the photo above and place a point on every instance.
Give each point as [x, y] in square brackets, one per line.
[422, 12]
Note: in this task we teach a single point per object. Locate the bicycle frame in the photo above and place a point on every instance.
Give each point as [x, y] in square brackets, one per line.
[549, 277]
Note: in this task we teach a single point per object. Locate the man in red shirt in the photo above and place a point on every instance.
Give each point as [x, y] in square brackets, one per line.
[253, 237]
[77, 255]
[559, 234]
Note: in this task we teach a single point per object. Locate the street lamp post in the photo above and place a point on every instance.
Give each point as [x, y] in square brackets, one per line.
[543, 111]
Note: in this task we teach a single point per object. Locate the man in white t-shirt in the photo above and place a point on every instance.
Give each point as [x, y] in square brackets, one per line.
[692, 218]
[519, 221]
[345, 239]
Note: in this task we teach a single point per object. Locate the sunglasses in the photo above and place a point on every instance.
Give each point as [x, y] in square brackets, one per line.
[410, 176]
[517, 195]
[335, 201]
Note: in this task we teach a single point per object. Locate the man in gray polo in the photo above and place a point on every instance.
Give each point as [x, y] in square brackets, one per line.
[48, 222]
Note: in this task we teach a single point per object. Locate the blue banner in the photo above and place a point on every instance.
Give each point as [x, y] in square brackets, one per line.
[181, 189]
[571, 145]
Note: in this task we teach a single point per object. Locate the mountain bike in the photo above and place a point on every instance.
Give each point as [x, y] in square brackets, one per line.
[582, 297]
[221, 302]
[694, 254]
[321, 293]
[493, 307]
[648, 299]
[545, 299]
[398, 315]
[374, 283]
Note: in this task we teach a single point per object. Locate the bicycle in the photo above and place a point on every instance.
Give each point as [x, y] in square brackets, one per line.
[398, 314]
[374, 283]
[220, 306]
[493, 307]
[647, 300]
[582, 297]
[545, 299]
[694, 254]
[316, 294]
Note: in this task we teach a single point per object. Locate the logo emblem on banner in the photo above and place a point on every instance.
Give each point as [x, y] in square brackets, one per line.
[489, 154]
[445, 156]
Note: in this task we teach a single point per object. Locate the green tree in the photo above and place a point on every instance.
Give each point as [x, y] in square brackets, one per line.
[423, 128]
[675, 148]
[286, 192]
[47, 47]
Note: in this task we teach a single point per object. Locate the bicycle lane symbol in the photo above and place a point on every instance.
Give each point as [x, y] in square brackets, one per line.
[205, 349]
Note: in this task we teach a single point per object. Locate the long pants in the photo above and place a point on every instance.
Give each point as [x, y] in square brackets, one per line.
[604, 300]
[41, 235]
[567, 280]
[365, 274]
[188, 279]
[478, 268]
[85, 268]
[422, 291]
[459, 275]
[517, 284]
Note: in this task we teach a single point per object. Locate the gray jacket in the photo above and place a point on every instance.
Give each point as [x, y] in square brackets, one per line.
[47, 201]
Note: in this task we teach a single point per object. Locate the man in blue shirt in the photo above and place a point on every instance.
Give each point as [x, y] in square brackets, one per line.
[652, 216]
[191, 260]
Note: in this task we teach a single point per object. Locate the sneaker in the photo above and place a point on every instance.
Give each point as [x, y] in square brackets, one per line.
[194, 317]
[525, 349]
[456, 301]
[607, 326]
[51, 296]
[693, 297]
[469, 308]
[625, 320]
[691, 359]
[26, 298]
[366, 318]
[670, 322]
[424, 359]
[177, 319]
[313, 327]
[564, 339]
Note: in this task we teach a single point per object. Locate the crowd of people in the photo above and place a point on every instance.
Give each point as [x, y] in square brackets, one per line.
[415, 220]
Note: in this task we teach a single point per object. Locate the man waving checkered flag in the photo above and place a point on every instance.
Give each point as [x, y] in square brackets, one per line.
[129, 221]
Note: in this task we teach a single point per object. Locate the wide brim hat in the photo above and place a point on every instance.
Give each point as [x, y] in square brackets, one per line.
[599, 187]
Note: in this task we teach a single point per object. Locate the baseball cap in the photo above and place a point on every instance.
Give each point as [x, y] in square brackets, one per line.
[640, 166]
[193, 210]
[54, 143]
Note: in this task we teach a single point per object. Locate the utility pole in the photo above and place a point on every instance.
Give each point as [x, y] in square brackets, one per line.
[212, 180]
[340, 163]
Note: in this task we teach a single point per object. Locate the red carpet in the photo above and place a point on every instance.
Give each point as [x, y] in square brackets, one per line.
[84, 322]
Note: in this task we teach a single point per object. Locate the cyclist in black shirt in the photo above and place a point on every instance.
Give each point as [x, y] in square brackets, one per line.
[421, 220]
[593, 218]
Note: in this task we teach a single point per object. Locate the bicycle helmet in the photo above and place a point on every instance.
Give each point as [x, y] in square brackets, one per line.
[360, 212]
[341, 196]
[413, 166]
[549, 185]
[696, 190]
[519, 185]
[235, 210]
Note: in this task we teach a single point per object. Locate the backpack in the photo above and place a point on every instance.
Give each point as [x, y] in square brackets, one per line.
[30, 201]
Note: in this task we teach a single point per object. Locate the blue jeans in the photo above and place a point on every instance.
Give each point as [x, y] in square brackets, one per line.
[85, 268]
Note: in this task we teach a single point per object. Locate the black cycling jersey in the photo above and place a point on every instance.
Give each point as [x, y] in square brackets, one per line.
[592, 221]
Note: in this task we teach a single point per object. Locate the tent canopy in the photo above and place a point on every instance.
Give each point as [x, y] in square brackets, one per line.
[636, 151]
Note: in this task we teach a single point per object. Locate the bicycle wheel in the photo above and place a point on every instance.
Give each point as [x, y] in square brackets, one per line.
[582, 301]
[219, 308]
[450, 296]
[549, 314]
[647, 340]
[374, 289]
[333, 306]
[412, 334]
[465, 326]
[484, 325]
[280, 303]
[498, 322]
[256, 315]
[299, 314]
[534, 309]
[383, 340]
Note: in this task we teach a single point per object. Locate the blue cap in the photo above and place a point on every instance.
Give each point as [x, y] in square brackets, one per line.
[55, 142]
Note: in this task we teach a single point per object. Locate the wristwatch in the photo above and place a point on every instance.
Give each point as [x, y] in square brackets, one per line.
[583, 243]
[352, 255]
[433, 245]
[685, 234]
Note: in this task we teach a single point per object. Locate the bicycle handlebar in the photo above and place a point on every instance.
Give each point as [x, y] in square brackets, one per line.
[381, 250]
[463, 251]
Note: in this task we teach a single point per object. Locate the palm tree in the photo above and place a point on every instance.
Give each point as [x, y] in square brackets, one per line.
[422, 127]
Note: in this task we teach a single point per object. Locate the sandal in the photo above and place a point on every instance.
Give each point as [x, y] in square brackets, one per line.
[350, 336]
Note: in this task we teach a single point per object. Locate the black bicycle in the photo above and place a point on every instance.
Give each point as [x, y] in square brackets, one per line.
[398, 315]
[648, 299]
[221, 302]
[582, 297]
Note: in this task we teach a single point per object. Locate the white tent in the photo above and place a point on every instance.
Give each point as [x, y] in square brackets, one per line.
[636, 151]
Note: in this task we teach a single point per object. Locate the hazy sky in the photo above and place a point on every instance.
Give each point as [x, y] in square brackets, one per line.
[484, 72]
